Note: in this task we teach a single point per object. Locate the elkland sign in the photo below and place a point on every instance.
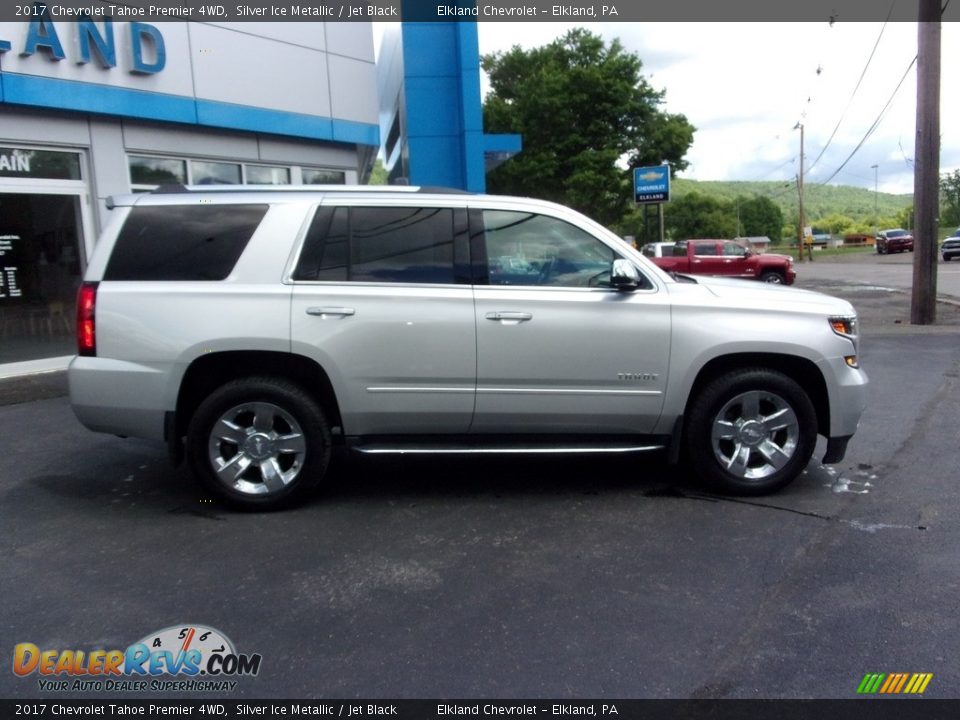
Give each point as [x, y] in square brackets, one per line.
[94, 43]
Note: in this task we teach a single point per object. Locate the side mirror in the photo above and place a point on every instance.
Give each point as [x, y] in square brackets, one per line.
[624, 275]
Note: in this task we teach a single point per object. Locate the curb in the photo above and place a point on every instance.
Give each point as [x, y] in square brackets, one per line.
[39, 386]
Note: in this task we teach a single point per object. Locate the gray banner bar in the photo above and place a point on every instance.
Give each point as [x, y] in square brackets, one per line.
[154, 11]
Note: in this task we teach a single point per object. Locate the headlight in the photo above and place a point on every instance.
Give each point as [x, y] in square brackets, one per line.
[848, 327]
[845, 325]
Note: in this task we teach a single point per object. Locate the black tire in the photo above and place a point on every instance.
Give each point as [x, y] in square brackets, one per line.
[947, 258]
[741, 464]
[272, 448]
[772, 277]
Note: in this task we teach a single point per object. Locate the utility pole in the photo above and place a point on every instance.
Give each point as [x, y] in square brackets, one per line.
[926, 190]
[876, 211]
[800, 194]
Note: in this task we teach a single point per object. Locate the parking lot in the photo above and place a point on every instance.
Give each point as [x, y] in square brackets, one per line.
[507, 578]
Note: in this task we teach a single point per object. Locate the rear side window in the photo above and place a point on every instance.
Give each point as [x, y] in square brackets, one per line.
[385, 244]
[183, 242]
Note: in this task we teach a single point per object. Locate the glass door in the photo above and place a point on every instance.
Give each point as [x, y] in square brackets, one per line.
[41, 265]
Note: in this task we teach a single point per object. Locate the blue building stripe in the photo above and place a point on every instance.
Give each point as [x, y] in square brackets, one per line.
[244, 117]
[71, 95]
[88, 97]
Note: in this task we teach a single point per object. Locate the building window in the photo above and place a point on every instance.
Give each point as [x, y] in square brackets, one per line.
[157, 171]
[148, 173]
[49, 164]
[324, 177]
[267, 175]
[203, 172]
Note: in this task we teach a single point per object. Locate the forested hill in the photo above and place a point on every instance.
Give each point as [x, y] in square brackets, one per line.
[819, 200]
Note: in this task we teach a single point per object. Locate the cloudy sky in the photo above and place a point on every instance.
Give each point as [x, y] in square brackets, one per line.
[745, 86]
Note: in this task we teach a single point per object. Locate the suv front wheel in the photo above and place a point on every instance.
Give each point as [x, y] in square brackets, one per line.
[259, 443]
[751, 432]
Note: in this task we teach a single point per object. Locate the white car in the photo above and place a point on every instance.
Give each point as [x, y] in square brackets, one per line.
[657, 249]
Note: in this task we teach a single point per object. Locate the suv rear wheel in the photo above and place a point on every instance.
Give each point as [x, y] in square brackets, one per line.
[751, 432]
[259, 443]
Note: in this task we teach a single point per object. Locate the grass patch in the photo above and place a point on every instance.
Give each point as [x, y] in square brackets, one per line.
[823, 252]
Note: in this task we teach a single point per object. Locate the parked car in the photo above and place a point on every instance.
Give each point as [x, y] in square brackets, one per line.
[726, 257]
[951, 246]
[657, 249]
[890, 241]
[256, 328]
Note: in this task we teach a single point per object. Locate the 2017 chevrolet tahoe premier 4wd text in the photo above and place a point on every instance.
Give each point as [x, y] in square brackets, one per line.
[253, 328]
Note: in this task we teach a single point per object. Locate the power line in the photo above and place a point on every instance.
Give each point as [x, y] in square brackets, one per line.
[771, 172]
[855, 89]
[875, 125]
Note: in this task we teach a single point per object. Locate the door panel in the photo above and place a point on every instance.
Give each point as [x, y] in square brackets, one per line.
[401, 359]
[386, 308]
[558, 350]
[585, 361]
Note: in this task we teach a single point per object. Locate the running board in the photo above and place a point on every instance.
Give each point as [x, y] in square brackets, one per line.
[487, 446]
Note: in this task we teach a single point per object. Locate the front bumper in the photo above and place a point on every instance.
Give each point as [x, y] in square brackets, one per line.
[847, 389]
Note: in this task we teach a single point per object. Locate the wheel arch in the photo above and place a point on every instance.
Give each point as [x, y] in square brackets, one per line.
[801, 370]
[212, 370]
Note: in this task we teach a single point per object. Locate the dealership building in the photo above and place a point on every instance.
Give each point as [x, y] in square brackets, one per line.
[90, 109]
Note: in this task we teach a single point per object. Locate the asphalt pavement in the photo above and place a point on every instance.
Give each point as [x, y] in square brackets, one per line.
[507, 578]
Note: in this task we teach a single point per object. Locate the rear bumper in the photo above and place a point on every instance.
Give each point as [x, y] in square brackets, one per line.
[117, 397]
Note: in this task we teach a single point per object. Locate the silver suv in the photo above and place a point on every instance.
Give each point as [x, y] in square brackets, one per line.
[256, 328]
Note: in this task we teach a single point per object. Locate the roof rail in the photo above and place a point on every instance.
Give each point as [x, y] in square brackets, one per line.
[176, 188]
[167, 189]
[441, 190]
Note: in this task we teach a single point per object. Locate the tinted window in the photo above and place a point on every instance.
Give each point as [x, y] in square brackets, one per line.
[367, 244]
[529, 249]
[709, 248]
[183, 242]
[324, 254]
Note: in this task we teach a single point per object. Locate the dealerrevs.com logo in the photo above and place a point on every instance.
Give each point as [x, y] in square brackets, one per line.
[178, 658]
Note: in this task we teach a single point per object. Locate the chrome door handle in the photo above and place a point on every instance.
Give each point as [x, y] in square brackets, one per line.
[514, 317]
[329, 312]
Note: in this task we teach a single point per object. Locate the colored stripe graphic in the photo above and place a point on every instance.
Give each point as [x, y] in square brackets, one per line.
[894, 683]
[870, 683]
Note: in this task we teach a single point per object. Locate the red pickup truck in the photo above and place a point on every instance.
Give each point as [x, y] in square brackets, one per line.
[726, 257]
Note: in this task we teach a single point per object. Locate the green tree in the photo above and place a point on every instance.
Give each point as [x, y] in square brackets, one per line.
[836, 224]
[905, 219]
[950, 198]
[700, 216]
[760, 216]
[583, 109]
[378, 175]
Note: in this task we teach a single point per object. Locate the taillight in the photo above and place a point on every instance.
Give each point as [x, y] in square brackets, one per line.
[86, 319]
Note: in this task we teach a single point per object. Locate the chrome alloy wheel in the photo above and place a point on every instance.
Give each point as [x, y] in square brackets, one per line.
[755, 434]
[256, 448]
